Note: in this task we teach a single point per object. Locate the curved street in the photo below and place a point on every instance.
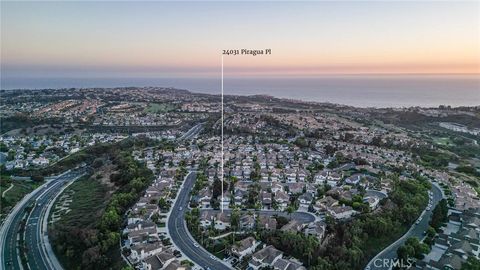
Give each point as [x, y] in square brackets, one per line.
[39, 256]
[184, 241]
[385, 259]
[180, 235]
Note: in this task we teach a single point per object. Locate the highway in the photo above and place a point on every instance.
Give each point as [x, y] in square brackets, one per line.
[180, 235]
[384, 259]
[39, 255]
[192, 132]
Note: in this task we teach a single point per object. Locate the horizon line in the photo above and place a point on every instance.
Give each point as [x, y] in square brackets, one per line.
[279, 76]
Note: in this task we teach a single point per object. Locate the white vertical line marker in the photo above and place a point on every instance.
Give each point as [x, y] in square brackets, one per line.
[221, 168]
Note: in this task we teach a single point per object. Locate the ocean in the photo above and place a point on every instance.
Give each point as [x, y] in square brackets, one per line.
[353, 90]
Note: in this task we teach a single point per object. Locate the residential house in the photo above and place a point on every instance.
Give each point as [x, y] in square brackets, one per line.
[305, 199]
[267, 222]
[244, 247]
[222, 221]
[316, 229]
[341, 212]
[354, 179]
[264, 257]
[144, 250]
[247, 222]
[266, 198]
[284, 264]
[158, 261]
[293, 226]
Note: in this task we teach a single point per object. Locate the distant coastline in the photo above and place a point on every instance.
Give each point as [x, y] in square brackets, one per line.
[359, 91]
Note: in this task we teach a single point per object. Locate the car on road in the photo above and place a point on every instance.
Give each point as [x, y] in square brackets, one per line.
[418, 221]
[196, 245]
[213, 257]
[180, 209]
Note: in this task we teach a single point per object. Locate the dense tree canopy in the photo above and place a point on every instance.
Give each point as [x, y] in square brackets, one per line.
[351, 244]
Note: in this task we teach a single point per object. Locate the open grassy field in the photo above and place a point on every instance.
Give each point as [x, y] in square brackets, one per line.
[88, 198]
[159, 107]
[85, 209]
[443, 141]
[13, 195]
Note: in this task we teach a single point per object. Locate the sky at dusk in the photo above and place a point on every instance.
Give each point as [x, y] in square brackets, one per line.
[185, 39]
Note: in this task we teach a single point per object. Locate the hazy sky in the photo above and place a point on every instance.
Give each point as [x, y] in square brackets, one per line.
[185, 39]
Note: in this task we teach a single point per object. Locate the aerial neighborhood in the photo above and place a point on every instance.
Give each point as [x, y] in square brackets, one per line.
[146, 179]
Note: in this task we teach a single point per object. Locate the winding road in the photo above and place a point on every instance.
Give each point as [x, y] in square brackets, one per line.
[387, 257]
[184, 241]
[180, 235]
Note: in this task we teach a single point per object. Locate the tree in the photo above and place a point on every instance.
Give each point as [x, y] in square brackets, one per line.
[274, 203]
[332, 164]
[412, 248]
[301, 142]
[37, 178]
[252, 195]
[330, 150]
[310, 246]
[163, 204]
[97, 163]
[235, 219]
[290, 209]
[431, 232]
[3, 147]
[217, 187]
[155, 217]
[439, 215]
[404, 252]
[472, 263]
[111, 220]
